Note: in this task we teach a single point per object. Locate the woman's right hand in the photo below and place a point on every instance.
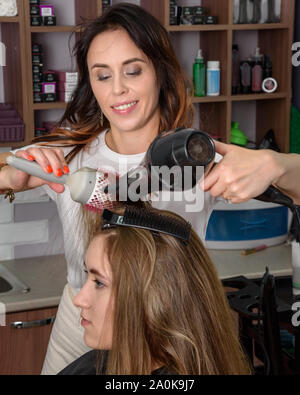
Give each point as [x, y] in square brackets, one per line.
[51, 160]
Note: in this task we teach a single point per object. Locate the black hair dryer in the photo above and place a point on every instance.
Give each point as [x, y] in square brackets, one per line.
[189, 153]
[185, 149]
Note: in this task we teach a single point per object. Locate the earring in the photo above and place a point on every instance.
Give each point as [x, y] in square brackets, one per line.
[101, 118]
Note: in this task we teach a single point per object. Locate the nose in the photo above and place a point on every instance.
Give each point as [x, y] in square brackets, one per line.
[81, 299]
[119, 85]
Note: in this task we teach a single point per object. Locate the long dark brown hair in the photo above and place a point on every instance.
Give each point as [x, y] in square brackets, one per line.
[82, 113]
[170, 307]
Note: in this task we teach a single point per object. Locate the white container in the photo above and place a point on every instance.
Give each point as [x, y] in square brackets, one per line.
[247, 225]
[270, 11]
[8, 8]
[213, 78]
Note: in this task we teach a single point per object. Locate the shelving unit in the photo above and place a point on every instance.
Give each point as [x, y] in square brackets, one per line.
[14, 73]
[18, 35]
[275, 39]
[215, 113]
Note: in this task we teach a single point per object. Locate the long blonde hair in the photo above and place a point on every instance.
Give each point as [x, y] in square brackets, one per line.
[170, 307]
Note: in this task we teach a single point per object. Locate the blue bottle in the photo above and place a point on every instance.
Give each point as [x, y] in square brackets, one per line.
[213, 78]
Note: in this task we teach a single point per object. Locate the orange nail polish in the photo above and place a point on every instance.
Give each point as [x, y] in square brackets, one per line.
[66, 170]
[49, 169]
[59, 173]
[30, 157]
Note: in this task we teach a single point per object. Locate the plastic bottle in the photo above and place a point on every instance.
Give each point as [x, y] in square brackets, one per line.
[213, 78]
[267, 68]
[235, 69]
[246, 76]
[199, 75]
[257, 72]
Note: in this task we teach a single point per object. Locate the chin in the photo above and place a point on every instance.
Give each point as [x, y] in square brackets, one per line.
[89, 341]
[95, 344]
[128, 126]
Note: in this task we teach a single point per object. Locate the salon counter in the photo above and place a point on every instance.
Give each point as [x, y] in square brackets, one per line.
[46, 276]
[231, 263]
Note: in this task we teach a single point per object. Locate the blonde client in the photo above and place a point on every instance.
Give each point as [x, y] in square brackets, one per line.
[152, 302]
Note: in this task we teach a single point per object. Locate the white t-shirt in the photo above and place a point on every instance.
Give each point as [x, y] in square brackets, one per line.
[99, 156]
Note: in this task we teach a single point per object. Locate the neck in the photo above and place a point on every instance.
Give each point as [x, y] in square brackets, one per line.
[131, 142]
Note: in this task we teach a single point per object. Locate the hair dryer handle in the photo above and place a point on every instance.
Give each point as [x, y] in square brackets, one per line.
[274, 195]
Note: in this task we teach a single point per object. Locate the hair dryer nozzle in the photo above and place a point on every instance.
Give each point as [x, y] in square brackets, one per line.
[181, 147]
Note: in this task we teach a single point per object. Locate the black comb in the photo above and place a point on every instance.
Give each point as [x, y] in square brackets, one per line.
[148, 219]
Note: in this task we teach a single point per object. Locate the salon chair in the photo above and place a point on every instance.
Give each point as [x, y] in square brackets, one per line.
[262, 318]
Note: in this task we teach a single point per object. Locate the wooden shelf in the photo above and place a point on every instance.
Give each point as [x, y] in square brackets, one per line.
[209, 99]
[237, 27]
[9, 19]
[49, 106]
[259, 96]
[259, 26]
[14, 144]
[196, 28]
[52, 29]
[236, 98]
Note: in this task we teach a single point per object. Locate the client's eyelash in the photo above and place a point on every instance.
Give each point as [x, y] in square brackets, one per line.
[98, 283]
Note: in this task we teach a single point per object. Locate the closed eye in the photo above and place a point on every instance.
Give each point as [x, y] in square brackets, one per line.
[137, 72]
[102, 77]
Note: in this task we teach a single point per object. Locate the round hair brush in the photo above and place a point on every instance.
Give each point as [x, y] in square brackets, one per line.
[86, 185]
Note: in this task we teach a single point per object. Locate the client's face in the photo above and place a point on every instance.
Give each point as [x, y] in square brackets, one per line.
[95, 298]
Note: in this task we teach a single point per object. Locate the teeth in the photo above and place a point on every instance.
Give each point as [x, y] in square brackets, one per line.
[125, 106]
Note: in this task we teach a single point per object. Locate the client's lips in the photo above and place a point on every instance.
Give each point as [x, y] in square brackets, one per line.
[85, 322]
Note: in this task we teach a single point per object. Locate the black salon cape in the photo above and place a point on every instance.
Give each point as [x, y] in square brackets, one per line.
[86, 365]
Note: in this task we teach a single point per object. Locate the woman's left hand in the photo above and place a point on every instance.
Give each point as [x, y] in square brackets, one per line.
[242, 174]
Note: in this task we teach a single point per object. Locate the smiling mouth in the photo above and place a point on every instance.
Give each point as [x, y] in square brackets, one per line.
[124, 106]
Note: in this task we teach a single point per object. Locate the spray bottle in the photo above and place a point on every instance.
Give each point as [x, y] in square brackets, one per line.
[199, 75]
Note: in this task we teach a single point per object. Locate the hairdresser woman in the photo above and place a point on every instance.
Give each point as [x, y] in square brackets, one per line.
[131, 87]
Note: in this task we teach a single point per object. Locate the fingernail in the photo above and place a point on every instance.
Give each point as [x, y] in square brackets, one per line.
[30, 157]
[59, 173]
[49, 169]
[66, 170]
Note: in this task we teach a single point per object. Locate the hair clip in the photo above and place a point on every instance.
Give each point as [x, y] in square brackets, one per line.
[148, 219]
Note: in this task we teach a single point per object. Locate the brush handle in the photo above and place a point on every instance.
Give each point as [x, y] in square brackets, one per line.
[34, 169]
[85, 184]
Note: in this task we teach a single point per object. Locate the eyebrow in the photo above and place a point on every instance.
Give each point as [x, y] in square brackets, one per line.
[124, 63]
[94, 271]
